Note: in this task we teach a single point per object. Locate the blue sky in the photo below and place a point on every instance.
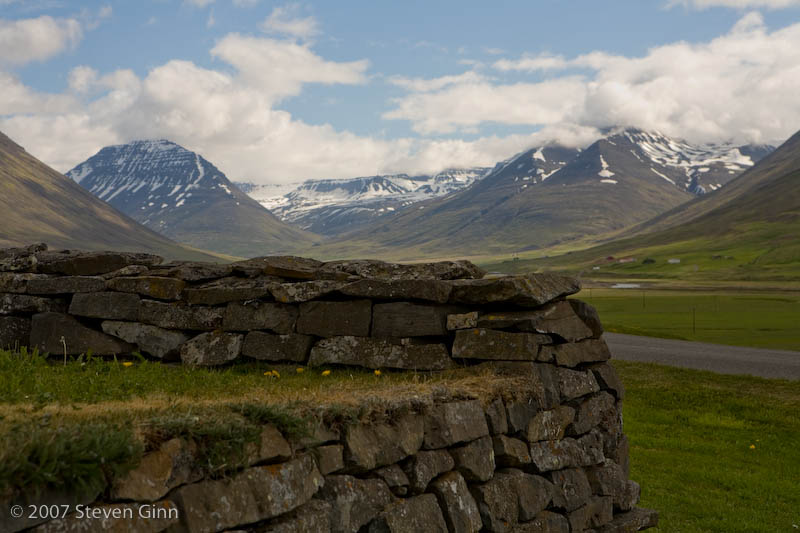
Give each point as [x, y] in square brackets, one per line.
[277, 92]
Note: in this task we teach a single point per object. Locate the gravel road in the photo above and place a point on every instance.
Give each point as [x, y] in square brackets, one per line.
[762, 362]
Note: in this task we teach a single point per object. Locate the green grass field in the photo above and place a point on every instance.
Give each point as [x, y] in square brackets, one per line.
[741, 318]
[714, 453]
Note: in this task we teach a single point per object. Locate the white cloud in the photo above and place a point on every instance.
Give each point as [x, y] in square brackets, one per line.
[738, 4]
[739, 86]
[36, 39]
[82, 78]
[423, 85]
[198, 3]
[531, 63]
[284, 21]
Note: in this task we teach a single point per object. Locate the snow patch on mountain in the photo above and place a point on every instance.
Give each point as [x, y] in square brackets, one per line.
[605, 173]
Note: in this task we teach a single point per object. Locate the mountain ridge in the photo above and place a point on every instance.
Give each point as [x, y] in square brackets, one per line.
[181, 195]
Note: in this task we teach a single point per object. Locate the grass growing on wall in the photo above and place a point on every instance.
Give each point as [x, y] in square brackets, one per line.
[714, 453]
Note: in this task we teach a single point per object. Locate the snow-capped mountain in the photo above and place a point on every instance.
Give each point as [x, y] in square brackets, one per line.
[180, 194]
[702, 168]
[334, 206]
[552, 194]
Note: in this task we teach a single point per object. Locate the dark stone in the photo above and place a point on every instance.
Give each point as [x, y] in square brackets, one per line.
[399, 289]
[311, 517]
[574, 384]
[608, 379]
[192, 271]
[330, 458]
[608, 479]
[106, 305]
[330, 319]
[151, 286]
[497, 345]
[454, 422]
[462, 321]
[591, 412]
[544, 522]
[458, 506]
[23, 304]
[159, 471]
[403, 319]
[66, 285]
[395, 479]
[542, 388]
[43, 498]
[423, 466]
[249, 316]
[283, 266]
[630, 522]
[211, 349]
[226, 290]
[557, 318]
[496, 417]
[176, 316]
[412, 515]
[247, 497]
[596, 513]
[18, 282]
[304, 291]
[354, 502]
[588, 351]
[270, 347]
[76, 263]
[519, 414]
[158, 342]
[572, 489]
[510, 452]
[380, 353]
[130, 270]
[14, 332]
[368, 446]
[47, 330]
[549, 455]
[531, 290]
[510, 497]
[475, 461]
[270, 448]
[20, 259]
[551, 424]
[589, 315]
[373, 269]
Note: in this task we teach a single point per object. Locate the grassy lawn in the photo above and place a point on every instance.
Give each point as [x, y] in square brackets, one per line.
[766, 320]
[714, 453]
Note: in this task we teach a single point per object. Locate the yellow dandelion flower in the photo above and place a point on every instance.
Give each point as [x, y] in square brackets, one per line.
[377, 372]
[752, 446]
[326, 372]
[268, 373]
[127, 363]
[300, 369]
[276, 373]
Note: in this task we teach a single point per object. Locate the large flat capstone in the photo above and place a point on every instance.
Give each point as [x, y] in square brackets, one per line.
[531, 290]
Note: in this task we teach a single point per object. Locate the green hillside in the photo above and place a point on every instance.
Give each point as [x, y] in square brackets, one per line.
[749, 230]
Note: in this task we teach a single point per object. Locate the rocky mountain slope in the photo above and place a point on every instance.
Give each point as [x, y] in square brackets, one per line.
[41, 205]
[748, 230]
[181, 195]
[332, 207]
[549, 195]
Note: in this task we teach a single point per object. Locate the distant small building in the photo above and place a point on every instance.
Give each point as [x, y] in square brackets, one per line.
[673, 261]
[627, 260]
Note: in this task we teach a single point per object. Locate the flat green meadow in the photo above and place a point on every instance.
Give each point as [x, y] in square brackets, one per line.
[714, 453]
[741, 318]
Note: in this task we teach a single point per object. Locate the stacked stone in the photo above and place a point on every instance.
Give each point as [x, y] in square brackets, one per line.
[552, 459]
[292, 310]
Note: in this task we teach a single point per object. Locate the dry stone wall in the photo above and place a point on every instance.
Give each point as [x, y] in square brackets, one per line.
[552, 457]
